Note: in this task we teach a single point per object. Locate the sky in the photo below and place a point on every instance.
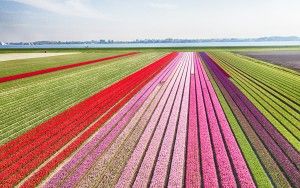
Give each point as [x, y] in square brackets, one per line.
[65, 20]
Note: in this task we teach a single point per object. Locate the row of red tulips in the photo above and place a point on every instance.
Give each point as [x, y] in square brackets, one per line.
[54, 69]
[33, 148]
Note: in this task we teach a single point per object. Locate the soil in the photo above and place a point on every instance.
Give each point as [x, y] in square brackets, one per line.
[14, 56]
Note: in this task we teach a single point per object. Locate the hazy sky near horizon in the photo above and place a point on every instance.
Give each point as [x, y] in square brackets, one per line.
[32, 20]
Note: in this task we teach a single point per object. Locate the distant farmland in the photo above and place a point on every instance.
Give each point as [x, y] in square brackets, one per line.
[289, 59]
[149, 118]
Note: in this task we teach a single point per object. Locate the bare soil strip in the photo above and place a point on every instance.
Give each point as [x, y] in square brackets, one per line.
[14, 56]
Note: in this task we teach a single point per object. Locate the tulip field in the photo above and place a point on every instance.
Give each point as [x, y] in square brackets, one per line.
[149, 119]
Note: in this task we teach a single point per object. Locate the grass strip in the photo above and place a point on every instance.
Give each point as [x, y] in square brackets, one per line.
[274, 115]
[14, 67]
[157, 65]
[126, 113]
[225, 170]
[234, 117]
[282, 160]
[54, 69]
[279, 81]
[243, 176]
[59, 93]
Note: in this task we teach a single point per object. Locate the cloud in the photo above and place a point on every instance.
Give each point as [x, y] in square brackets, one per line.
[160, 5]
[79, 8]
